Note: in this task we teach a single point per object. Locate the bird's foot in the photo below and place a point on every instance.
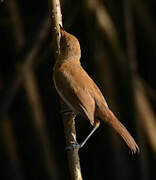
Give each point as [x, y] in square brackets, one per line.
[66, 111]
[73, 145]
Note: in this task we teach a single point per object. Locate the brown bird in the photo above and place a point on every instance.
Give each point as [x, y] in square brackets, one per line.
[80, 92]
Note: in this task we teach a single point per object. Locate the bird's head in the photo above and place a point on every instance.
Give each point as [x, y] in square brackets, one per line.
[69, 46]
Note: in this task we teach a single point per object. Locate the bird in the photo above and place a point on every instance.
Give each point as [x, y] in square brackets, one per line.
[80, 93]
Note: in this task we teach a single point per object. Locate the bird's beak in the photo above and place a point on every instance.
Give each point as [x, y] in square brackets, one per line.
[61, 29]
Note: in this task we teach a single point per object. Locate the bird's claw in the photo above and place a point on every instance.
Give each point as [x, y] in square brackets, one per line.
[73, 145]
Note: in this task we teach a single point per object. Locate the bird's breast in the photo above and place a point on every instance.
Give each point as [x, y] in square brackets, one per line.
[61, 81]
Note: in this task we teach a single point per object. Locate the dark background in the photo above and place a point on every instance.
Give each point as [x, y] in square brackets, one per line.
[118, 46]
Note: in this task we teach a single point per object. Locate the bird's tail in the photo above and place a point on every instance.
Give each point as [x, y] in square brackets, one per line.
[107, 116]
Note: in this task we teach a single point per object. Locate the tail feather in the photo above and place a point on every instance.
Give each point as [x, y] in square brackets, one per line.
[107, 116]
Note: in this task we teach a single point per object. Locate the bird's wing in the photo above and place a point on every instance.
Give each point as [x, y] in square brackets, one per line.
[73, 88]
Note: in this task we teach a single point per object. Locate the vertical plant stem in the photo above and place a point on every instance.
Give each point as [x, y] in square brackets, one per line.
[131, 52]
[16, 24]
[69, 121]
[8, 140]
[38, 122]
[73, 157]
[31, 87]
[10, 92]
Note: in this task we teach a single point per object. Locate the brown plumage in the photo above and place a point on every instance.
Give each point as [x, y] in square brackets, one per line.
[80, 92]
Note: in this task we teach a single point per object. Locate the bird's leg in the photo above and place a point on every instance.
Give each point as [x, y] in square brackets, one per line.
[76, 145]
[96, 125]
[66, 111]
